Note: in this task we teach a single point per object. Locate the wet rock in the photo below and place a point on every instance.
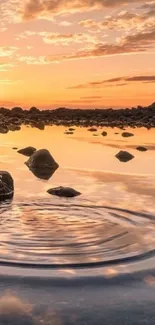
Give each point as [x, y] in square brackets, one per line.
[104, 133]
[42, 164]
[127, 134]
[124, 156]
[140, 148]
[14, 127]
[28, 151]
[40, 126]
[92, 129]
[3, 129]
[71, 129]
[63, 192]
[6, 186]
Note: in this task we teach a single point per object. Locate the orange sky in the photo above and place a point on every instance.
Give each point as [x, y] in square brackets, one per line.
[77, 53]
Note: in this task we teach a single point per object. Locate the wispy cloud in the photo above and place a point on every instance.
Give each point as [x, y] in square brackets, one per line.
[7, 51]
[57, 38]
[119, 81]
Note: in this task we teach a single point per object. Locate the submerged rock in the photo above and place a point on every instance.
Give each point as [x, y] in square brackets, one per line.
[124, 156]
[140, 148]
[42, 164]
[63, 191]
[28, 151]
[6, 186]
[127, 134]
[104, 133]
[69, 132]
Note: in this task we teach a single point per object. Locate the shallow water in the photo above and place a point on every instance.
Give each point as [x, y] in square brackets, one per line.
[111, 222]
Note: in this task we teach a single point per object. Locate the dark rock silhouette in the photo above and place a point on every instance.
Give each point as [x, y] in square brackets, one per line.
[127, 134]
[124, 156]
[92, 129]
[14, 127]
[71, 129]
[42, 164]
[63, 192]
[121, 118]
[28, 151]
[140, 148]
[6, 186]
[104, 133]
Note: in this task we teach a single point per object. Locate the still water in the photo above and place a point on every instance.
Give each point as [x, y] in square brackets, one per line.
[113, 220]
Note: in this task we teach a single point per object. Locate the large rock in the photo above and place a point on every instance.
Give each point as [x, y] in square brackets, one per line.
[6, 186]
[42, 164]
[124, 156]
[127, 134]
[63, 191]
[28, 151]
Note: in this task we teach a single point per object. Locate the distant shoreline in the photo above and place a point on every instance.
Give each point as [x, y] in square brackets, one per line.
[12, 119]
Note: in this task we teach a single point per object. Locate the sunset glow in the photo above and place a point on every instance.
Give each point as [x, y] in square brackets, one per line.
[77, 53]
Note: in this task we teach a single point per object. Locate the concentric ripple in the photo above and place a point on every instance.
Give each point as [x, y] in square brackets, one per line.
[43, 234]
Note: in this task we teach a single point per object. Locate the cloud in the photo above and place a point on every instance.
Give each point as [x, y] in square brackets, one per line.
[7, 51]
[32, 9]
[40, 60]
[8, 81]
[5, 66]
[124, 20]
[57, 38]
[119, 81]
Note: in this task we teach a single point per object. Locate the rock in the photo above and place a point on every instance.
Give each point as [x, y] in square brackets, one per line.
[68, 132]
[71, 129]
[92, 129]
[28, 151]
[14, 127]
[116, 132]
[124, 156]
[42, 164]
[140, 148]
[14, 148]
[95, 135]
[127, 134]
[3, 129]
[6, 186]
[40, 126]
[63, 192]
[104, 133]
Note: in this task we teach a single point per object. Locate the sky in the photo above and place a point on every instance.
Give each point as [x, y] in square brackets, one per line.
[77, 53]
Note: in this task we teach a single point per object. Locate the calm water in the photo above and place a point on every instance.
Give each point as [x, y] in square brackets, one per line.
[112, 220]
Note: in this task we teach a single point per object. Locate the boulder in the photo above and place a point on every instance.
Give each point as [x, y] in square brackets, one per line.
[6, 186]
[42, 164]
[104, 133]
[28, 151]
[127, 134]
[124, 156]
[3, 129]
[140, 148]
[63, 192]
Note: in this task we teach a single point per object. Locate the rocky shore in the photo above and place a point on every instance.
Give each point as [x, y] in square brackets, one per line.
[12, 119]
